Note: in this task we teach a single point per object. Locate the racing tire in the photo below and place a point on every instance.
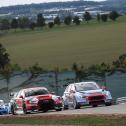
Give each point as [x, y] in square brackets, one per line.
[75, 104]
[45, 110]
[60, 109]
[25, 110]
[13, 110]
[94, 106]
[65, 107]
[108, 104]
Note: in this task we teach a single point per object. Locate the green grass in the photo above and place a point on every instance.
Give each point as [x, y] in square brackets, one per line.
[78, 120]
[86, 44]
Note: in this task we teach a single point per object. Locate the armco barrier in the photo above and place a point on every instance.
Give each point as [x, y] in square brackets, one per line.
[121, 100]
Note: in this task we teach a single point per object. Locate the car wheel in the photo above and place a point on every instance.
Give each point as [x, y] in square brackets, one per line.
[108, 104]
[94, 105]
[13, 110]
[45, 110]
[60, 109]
[24, 109]
[75, 104]
[65, 107]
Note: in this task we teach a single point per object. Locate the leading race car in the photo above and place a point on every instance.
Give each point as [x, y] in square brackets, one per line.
[35, 99]
[85, 93]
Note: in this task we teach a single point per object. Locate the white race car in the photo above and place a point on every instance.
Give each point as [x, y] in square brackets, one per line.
[85, 93]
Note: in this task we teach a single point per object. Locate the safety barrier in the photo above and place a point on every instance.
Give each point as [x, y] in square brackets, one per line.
[121, 100]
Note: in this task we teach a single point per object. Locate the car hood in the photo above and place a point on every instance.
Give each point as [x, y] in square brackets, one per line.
[92, 92]
[42, 97]
[2, 106]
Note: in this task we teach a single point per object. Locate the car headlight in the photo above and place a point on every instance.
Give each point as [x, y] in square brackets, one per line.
[108, 95]
[82, 96]
[33, 101]
[55, 98]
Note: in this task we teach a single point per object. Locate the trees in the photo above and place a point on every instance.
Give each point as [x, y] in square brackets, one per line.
[57, 21]
[4, 57]
[104, 17]
[5, 24]
[24, 22]
[113, 15]
[50, 24]
[87, 16]
[40, 20]
[98, 17]
[79, 72]
[68, 20]
[5, 69]
[76, 20]
[14, 24]
[32, 25]
[6, 72]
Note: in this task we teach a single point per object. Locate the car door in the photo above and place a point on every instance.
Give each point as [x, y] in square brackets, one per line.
[72, 93]
[67, 93]
[19, 100]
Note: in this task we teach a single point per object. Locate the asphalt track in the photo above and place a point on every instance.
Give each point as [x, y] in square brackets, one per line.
[114, 109]
[119, 109]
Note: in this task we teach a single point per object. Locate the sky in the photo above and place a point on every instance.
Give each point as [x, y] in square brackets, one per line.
[19, 2]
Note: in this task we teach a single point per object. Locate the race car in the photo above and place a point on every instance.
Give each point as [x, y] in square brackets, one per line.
[3, 108]
[85, 93]
[35, 99]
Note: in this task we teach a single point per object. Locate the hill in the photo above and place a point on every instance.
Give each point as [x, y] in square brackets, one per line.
[34, 9]
[86, 44]
[119, 5]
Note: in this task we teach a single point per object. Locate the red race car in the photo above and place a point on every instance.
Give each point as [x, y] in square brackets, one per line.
[35, 99]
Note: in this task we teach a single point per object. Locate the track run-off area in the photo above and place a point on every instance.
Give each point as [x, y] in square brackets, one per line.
[105, 115]
[114, 109]
[119, 109]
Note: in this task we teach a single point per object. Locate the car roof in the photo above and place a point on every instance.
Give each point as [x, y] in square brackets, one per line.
[86, 82]
[34, 88]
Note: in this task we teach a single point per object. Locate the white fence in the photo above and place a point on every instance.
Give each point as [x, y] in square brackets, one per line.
[121, 100]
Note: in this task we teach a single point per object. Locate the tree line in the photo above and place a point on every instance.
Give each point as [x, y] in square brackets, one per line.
[40, 22]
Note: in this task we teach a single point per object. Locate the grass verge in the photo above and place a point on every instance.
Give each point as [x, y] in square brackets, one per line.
[87, 44]
[79, 120]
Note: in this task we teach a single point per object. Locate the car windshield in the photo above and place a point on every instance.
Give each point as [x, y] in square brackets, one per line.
[86, 86]
[36, 92]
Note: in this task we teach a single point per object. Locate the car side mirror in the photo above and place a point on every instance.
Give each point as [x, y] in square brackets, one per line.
[53, 93]
[11, 94]
[104, 88]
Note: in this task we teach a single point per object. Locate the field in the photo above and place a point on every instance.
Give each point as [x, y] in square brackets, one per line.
[86, 44]
[73, 120]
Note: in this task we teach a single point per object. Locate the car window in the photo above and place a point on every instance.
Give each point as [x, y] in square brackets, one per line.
[66, 90]
[72, 87]
[15, 94]
[18, 94]
[86, 86]
[69, 88]
[36, 92]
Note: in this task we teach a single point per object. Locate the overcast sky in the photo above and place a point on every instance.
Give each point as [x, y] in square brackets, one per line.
[17, 2]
